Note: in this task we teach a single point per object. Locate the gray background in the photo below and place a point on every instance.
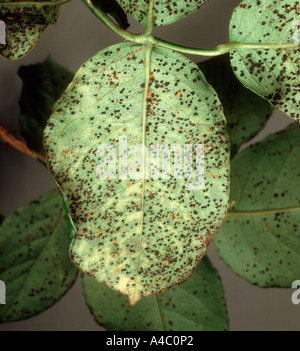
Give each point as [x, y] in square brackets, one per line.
[77, 36]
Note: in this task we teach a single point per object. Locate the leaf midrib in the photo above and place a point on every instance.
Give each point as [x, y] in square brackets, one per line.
[262, 212]
[144, 122]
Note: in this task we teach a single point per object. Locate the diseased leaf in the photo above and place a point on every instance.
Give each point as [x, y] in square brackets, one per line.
[137, 231]
[34, 261]
[260, 238]
[272, 74]
[165, 11]
[245, 112]
[197, 304]
[42, 85]
[24, 24]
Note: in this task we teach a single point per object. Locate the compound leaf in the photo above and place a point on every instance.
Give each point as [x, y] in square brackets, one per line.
[197, 304]
[165, 11]
[24, 24]
[259, 239]
[272, 74]
[140, 232]
[245, 112]
[34, 261]
[43, 84]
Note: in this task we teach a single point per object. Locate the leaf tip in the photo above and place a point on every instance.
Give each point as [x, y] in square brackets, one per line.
[133, 299]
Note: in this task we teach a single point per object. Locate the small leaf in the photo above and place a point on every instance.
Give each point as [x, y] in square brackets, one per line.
[272, 74]
[25, 24]
[246, 113]
[112, 8]
[34, 262]
[165, 11]
[139, 233]
[42, 85]
[260, 239]
[197, 304]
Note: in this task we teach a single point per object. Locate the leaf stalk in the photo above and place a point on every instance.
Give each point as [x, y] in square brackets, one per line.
[148, 38]
[10, 139]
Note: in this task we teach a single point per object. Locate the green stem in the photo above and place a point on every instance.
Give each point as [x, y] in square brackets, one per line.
[150, 21]
[148, 38]
[222, 48]
[109, 23]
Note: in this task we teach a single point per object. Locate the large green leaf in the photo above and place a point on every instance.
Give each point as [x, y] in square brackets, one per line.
[165, 11]
[245, 112]
[272, 74]
[260, 238]
[197, 304]
[34, 261]
[42, 85]
[139, 236]
[24, 23]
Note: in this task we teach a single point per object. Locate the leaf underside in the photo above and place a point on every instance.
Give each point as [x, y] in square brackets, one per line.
[34, 262]
[164, 12]
[272, 74]
[138, 236]
[24, 25]
[259, 240]
[196, 305]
